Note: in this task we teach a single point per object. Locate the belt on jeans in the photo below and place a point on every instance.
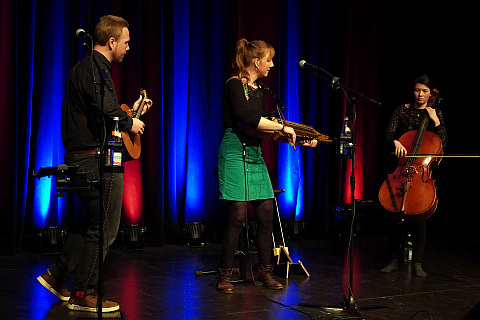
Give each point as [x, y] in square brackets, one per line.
[91, 151]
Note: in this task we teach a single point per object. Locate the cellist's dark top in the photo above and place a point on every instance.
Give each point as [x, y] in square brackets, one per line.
[407, 118]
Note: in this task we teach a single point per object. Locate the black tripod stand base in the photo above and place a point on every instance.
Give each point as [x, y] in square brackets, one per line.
[200, 273]
[349, 306]
[352, 309]
[242, 281]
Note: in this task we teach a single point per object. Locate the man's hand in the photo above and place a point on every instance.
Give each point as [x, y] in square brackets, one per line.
[148, 104]
[137, 127]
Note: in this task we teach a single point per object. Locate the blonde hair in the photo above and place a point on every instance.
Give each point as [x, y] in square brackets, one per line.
[248, 51]
[109, 26]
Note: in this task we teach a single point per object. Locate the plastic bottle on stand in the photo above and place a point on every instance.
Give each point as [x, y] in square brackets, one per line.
[408, 249]
[114, 146]
[345, 143]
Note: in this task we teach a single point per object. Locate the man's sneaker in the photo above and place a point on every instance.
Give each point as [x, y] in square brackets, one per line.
[89, 303]
[54, 286]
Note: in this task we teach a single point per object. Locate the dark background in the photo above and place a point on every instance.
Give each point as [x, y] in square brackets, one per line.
[181, 51]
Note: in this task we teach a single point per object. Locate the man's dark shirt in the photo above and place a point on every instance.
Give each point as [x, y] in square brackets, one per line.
[81, 109]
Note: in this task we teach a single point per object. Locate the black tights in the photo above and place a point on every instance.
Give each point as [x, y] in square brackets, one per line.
[263, 210]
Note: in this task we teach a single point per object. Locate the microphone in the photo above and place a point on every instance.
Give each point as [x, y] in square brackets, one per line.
[80, 33]
[336, 83]
[304, 64]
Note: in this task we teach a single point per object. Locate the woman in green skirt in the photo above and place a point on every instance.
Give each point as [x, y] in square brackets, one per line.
[242, 173]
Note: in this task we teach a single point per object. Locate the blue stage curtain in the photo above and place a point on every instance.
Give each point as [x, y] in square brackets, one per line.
[181, 53]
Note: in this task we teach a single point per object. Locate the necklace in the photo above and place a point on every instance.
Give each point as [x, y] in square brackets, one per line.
[245, 87]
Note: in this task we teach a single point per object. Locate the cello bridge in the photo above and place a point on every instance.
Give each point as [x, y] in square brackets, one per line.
[410, 170]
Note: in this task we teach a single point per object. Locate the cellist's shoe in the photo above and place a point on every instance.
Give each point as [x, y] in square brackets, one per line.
[392, 266]
[417, 266]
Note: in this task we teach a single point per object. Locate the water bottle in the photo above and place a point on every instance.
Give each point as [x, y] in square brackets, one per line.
[114, 146]
[345, 142]
[408, 249]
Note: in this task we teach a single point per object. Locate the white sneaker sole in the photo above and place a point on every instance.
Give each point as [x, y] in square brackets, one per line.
[50, 288]
[76, 307]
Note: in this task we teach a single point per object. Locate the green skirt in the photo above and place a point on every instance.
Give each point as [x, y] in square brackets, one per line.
[232, 169]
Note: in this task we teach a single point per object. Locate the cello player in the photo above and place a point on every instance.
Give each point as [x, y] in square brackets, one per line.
[406, 118]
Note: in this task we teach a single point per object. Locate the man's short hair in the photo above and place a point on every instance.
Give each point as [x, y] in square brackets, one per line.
[109, 26]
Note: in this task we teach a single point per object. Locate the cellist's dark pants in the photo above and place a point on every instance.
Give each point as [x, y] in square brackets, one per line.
[417, 229]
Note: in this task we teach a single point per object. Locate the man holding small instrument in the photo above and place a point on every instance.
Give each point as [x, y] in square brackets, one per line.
[90, 90]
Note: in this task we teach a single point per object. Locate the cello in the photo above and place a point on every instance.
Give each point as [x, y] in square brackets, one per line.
[410, 191]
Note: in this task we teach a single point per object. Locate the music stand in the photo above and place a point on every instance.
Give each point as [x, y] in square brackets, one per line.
[349, 303]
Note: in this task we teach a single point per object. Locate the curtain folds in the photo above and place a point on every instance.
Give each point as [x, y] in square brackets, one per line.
[181, 53]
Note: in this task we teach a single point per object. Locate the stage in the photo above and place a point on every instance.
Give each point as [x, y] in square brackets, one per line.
[160, 283]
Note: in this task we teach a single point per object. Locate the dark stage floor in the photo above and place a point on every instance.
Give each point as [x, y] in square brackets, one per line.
[160, 283]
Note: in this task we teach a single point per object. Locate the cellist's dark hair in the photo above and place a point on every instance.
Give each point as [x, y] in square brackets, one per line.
[426, 80]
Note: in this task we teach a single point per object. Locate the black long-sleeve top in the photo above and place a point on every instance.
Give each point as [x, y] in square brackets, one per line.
[237, 109]
[406, 119]
[81, 109]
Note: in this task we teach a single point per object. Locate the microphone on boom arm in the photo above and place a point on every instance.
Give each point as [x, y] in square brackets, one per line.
[335, 82]
[304, 64]
[80, 33]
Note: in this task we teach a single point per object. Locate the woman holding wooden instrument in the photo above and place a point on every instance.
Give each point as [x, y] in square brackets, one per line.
[404, 121]
[242, 173]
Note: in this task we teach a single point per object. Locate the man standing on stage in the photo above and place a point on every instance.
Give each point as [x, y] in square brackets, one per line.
[89, 90]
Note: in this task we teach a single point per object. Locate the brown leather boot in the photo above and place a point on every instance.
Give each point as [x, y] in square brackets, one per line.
[224, 279]
[263, 275]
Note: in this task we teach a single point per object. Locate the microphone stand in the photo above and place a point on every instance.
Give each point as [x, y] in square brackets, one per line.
[280, 105]
[101, 162]
[349, 301]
